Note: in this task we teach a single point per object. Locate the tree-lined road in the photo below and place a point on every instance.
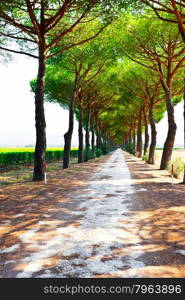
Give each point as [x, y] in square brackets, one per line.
[104, 226]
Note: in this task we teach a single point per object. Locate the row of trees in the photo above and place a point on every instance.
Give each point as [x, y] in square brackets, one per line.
[158, 48]
[44, 29]
[116, 66]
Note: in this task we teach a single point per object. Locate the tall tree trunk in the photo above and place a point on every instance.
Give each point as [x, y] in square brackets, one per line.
[130, 137]
[146, 144]
[80, 136]
[69, 133]
[98, 137]
[40, 123]
[153, 143]
[92, 136]
[169, 143]
[134, 140]
[87, 135]
[139, 136]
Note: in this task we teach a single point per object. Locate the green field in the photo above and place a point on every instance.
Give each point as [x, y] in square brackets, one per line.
[25, 156]
[10, 157]
[5, 150]
[173, 148]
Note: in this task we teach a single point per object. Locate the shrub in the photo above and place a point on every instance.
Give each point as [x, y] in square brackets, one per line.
[54, 155]
[27, 157]
[129, 148]
[89, 154]
[105, 149]
[86, 154]
[98, 152]
[74, 153]
[145, 157]
[178, 166]
[92, 154]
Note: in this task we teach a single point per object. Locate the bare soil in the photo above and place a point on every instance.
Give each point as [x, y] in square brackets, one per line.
[160, 209]
[177, 153]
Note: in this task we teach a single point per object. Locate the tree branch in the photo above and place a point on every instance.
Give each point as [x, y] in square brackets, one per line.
[19, 52]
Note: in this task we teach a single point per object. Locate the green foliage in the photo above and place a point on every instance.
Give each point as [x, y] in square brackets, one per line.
[53, 155]
[5, 150]
[113, 74]
[129, 148]
[16, 158]
[27, 157]
[177, 99]
[29, 149]
[105, 148]
[178, 166]
[89, 154]
[98, 152]
[145, 157]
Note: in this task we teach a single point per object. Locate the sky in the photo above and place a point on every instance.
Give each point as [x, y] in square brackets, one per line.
[17, 124]
[17, 113]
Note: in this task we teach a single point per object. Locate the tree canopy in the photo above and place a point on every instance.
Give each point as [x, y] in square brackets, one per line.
[117, 66]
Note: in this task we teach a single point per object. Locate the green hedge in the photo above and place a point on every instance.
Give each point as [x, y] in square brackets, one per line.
[129, 148]
[89, 154]
[98, 152]
[105, 148]
[26, 157]
[21, 158]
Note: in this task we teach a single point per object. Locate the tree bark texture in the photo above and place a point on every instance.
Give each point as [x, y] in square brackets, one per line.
[146, 144]
[80, 136]
[139, 136]
[92, 136]
[130, 137]
[134, 140]
[68, 134]
[151, 159]
[169, 143]
[87, 134]
[40, 123]
[98, 142]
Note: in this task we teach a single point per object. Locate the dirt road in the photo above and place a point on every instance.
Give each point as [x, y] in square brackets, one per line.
[101, 221]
